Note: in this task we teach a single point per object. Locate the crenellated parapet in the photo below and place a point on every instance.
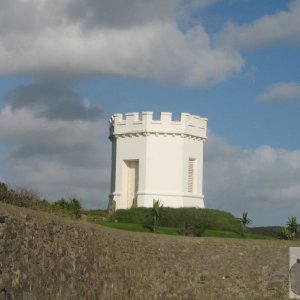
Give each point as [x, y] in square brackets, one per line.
[143, 124]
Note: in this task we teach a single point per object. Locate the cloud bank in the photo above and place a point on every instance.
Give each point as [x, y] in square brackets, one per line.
[55, 145]
[263, 181]
[130, 38]
[140, 39]
[282, 27]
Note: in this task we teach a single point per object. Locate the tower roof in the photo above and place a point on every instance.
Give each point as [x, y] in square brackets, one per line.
[144, 124]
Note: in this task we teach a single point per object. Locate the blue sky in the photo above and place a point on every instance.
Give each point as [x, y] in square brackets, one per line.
[66, 66]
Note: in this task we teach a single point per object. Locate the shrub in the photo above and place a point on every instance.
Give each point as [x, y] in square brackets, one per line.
[141, 215]
[293, 226]
[3, 187]
[70, 208]
[196, 229]
[23, 197]
[199, 217]
[285, 234]
[75, 207]
[61, 204]
[6, 195]
[155, 212]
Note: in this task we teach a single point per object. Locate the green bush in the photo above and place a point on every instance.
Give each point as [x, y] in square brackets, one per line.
[196, 229]
[6, 194]
[284, 234]
[25, 197]
[70, 208]
[199, 217]
[3, 187]
[141, 215]
[75, 207]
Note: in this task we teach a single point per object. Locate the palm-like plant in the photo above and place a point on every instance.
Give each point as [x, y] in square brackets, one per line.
[156, 213]
[244, 220]
[285, 234]
[292, 226]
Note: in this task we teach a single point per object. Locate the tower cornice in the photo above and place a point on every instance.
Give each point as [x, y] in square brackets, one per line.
[189, 126]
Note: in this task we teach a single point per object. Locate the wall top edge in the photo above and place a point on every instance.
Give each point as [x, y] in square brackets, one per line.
[200, 136]
[134, 122]
[147, 116]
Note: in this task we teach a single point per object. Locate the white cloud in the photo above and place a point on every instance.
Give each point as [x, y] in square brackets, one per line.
[281, 92]
[282, 27]
[263, 181]
[51, 37]
[56, 158]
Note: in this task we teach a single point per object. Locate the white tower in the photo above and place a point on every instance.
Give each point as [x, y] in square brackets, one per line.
[156, 159]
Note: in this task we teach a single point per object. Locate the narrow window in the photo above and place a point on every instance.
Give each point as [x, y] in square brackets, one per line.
[191, 175]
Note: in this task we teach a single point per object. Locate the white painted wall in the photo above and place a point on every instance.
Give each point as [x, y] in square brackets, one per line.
[163, 148]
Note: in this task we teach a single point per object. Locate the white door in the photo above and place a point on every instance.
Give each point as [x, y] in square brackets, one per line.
[132, 182]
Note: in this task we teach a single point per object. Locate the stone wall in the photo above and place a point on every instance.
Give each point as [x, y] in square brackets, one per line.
[45, 257]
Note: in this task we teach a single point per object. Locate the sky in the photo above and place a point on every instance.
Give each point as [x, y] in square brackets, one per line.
[67, 65]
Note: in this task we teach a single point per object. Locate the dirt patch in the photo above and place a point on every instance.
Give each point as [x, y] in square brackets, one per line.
[46, 257]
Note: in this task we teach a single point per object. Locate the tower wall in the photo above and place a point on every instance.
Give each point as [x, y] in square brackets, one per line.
[164, 152]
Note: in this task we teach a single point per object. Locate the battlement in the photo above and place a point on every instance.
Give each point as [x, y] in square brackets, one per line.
[135, 123]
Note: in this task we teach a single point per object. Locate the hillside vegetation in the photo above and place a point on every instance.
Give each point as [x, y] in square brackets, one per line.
[24, 197]
[175, 221]
[181, 218]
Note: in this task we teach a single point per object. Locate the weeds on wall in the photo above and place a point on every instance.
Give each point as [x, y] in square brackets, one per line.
[24, 197]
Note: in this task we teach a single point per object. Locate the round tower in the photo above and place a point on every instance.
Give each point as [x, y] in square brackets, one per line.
[156, 159]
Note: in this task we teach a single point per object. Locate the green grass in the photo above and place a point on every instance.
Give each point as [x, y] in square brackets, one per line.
[260, 236]
[97, 212]
[175, 231]
[137, 227]
[230, 234]
[220, 233]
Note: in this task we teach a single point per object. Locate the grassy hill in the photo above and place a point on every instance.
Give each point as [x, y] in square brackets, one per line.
[177, 221]
[180, 218]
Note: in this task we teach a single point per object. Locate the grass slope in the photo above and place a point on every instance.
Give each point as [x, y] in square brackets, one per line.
[176, 221]
[175, 231]
[181, 218]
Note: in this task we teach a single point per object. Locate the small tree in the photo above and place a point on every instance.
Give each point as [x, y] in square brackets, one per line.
[75, 207]
[71, 207]
[3, 187]
[292, 226]
[5, 194]
[244, 220]
[155, 213]
[61, 204]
